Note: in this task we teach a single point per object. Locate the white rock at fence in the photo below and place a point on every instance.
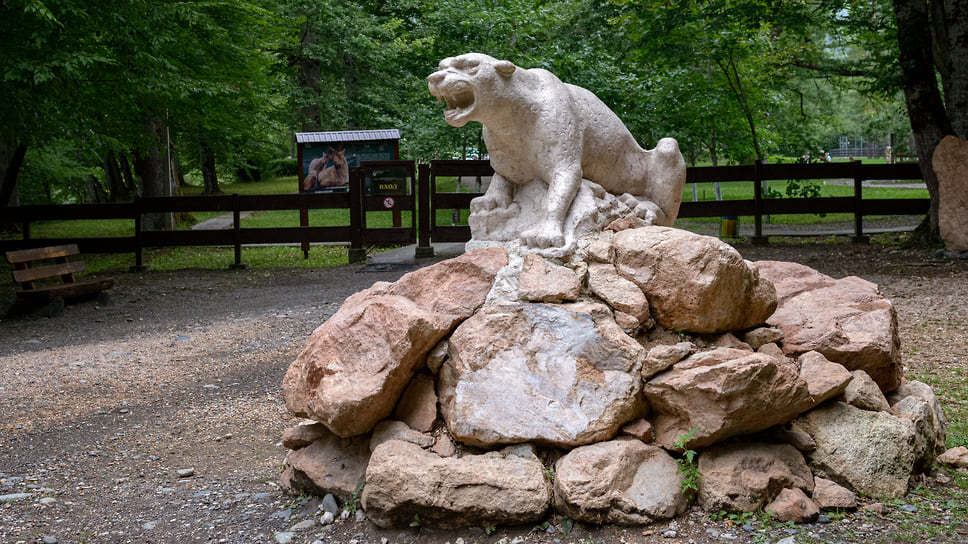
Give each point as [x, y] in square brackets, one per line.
[949, 159]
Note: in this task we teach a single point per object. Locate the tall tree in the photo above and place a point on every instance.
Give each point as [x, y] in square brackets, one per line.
[45, 51]
[922, 61]
[92, 72]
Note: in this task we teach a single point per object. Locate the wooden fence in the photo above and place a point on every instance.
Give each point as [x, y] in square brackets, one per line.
[760, 206]
[423, 226]
[357, 235]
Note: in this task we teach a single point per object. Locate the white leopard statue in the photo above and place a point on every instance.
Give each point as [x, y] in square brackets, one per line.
[537, 127]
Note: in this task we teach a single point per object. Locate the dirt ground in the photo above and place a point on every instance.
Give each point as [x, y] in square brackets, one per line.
[157, 418]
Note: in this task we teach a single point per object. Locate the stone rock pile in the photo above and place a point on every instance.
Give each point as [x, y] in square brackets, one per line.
[494, 387]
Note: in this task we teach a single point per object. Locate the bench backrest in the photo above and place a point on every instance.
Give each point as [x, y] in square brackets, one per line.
[25, 274]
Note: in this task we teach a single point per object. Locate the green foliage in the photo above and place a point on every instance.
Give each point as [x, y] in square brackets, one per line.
[278, 167]
[91, 73]
[796, 188]
[416, 521]
[732, 80]
[567, 524]
[356, 498]
[688, 469]
[490, 529]
[837, 514]
[802, 189]
[736, 518]
[55, 174]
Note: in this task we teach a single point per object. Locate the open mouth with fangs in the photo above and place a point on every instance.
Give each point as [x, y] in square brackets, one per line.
[459, 99]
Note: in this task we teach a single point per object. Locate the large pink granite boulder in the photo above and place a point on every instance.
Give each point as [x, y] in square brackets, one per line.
[744, 476]
[621, 481]
[329, 464]
[359, 362]
[725, 392]
[847, 320]
[693, 283]
[405, 483]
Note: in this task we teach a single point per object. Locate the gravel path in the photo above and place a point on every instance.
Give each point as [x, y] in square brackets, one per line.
[156, 418]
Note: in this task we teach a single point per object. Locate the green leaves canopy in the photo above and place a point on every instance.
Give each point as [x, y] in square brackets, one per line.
[731, 79]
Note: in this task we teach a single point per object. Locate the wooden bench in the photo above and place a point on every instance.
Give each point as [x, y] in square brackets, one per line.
[31, 265]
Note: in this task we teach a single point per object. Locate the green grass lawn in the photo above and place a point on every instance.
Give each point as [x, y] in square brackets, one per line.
[743, 190]
[80, 228]
[275, 186]
[180, 258]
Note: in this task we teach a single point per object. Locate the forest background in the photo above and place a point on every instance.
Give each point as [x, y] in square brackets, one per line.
[102, 101]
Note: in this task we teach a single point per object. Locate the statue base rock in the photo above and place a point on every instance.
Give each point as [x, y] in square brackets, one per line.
[552, 368]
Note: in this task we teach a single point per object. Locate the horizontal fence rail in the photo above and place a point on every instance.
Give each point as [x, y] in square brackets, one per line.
[424, 200]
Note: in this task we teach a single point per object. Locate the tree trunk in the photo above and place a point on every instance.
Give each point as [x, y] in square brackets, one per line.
[246, 171]
[209, 175]
[95, 193]
[151, 166]
[11, 159]
[929, 120]
[714, 157]
[130, 184]
[112, 172]
[736, 84]
[351, 83]
[713, 144]
[178, 181]
[949, 32]
[310, 75]
[175, 175]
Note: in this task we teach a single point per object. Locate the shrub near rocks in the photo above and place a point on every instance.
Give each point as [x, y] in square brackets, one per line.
[520, 394]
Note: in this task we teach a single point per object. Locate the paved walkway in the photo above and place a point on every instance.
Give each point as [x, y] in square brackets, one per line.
[406, 254]
[221, 222]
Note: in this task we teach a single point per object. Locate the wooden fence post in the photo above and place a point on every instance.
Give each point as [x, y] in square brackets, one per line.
[237, 233]
[758, 239]
[424, 249]
[858, 205]
[357, 253]
[139, 265]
